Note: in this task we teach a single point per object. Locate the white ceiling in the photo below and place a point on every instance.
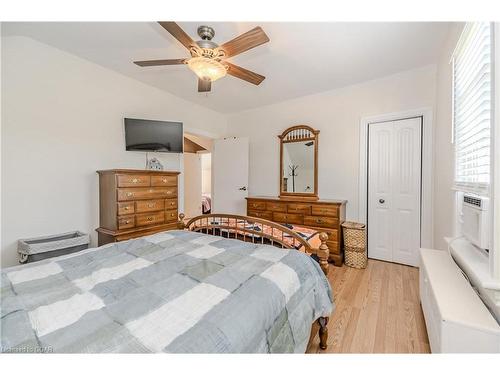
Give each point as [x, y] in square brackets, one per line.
[300, 59]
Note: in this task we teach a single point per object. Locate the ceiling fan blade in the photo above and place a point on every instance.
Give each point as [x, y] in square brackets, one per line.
[244, 42]
[244, 74]
[204, 85]
[178, 33]
[160, 62]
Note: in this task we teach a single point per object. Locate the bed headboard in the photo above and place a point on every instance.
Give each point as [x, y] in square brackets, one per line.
[256, 230]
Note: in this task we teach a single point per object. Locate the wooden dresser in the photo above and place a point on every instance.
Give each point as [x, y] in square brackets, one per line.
[134, 203]
[322, 215]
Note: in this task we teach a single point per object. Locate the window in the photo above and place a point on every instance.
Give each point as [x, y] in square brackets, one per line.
[472, 108]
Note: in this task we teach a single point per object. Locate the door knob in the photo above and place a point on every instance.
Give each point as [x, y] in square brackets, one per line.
[244, 188]
[381, 200]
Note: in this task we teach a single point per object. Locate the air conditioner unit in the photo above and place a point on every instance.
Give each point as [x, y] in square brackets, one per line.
[475, 221]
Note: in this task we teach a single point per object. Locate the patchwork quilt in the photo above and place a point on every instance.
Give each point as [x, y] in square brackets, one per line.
[176, 291]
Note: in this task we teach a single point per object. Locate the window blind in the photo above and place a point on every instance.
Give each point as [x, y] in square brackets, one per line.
[472, 97]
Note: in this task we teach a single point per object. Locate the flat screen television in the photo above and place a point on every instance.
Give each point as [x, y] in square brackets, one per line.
[152, 135]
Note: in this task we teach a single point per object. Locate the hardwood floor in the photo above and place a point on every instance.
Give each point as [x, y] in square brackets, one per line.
[377, 311]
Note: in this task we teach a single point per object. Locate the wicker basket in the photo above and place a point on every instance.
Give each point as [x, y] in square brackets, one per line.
[355, 244]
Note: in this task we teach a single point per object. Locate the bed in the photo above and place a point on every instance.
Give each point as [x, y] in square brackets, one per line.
[216, 285]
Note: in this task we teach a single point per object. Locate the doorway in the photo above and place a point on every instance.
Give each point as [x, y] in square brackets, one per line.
[394, 190]
[426, 201]
[197, 175]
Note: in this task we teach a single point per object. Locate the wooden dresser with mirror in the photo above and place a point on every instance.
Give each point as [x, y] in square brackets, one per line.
[298, 202]
[134, 203]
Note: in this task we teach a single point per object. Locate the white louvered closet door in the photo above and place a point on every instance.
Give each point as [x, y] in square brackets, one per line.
[394, 190]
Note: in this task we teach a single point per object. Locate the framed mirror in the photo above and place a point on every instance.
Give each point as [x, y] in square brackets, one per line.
[299, 162]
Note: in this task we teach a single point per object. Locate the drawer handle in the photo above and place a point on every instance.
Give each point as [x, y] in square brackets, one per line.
[129, 194]
[126, 208]
[164, 180]
[127, 221]
[169, 192]
[135, 180]
[150, 218]
[172, 203]
[319, 221]
[151, 205]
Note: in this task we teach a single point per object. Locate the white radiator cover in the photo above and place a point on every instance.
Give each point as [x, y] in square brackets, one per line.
[457, 320]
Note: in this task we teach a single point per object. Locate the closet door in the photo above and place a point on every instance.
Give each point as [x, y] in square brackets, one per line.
[394, 189]
[381, 139]
[230, 175]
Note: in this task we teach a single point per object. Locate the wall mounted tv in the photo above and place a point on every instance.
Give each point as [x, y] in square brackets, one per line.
[151, 135]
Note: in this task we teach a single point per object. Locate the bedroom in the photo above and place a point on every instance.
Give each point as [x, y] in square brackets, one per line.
[250, 186]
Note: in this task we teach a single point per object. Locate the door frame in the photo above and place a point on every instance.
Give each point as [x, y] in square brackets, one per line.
[198, 133]
[426, 201]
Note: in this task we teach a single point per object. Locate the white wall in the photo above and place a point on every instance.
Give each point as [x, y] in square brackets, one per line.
[62, 119]
[206, 173]
[337, 115]
[444, 167]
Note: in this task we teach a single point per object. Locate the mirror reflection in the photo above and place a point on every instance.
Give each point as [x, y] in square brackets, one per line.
[298, 167]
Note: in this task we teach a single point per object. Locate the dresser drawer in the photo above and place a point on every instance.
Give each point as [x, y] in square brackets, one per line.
[276, 207]
[131, 180]
[253, 205]
[288, 218]
[171, 204]
[323, 210]
[170, 192]
[126, 208]
[321, 221]
[163, 180]
[333, 235]
[171, 216]
[150, 218]
[299, 208]
[148, 206]
[125, 222]
[146, 193]
[262, 214]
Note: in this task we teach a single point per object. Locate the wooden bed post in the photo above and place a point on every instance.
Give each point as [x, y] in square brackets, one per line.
[323, 332]
[180, 223]
[323, 252]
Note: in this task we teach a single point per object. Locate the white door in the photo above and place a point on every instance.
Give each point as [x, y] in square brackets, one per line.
[230, 175]
[192, 184]
[394, 190]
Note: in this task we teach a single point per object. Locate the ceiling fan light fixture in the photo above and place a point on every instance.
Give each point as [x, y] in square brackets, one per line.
[206, 68]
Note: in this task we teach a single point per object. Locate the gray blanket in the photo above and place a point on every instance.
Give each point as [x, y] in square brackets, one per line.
[175, 291]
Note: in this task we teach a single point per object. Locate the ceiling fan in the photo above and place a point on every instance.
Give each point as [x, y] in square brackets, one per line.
[208, 59]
